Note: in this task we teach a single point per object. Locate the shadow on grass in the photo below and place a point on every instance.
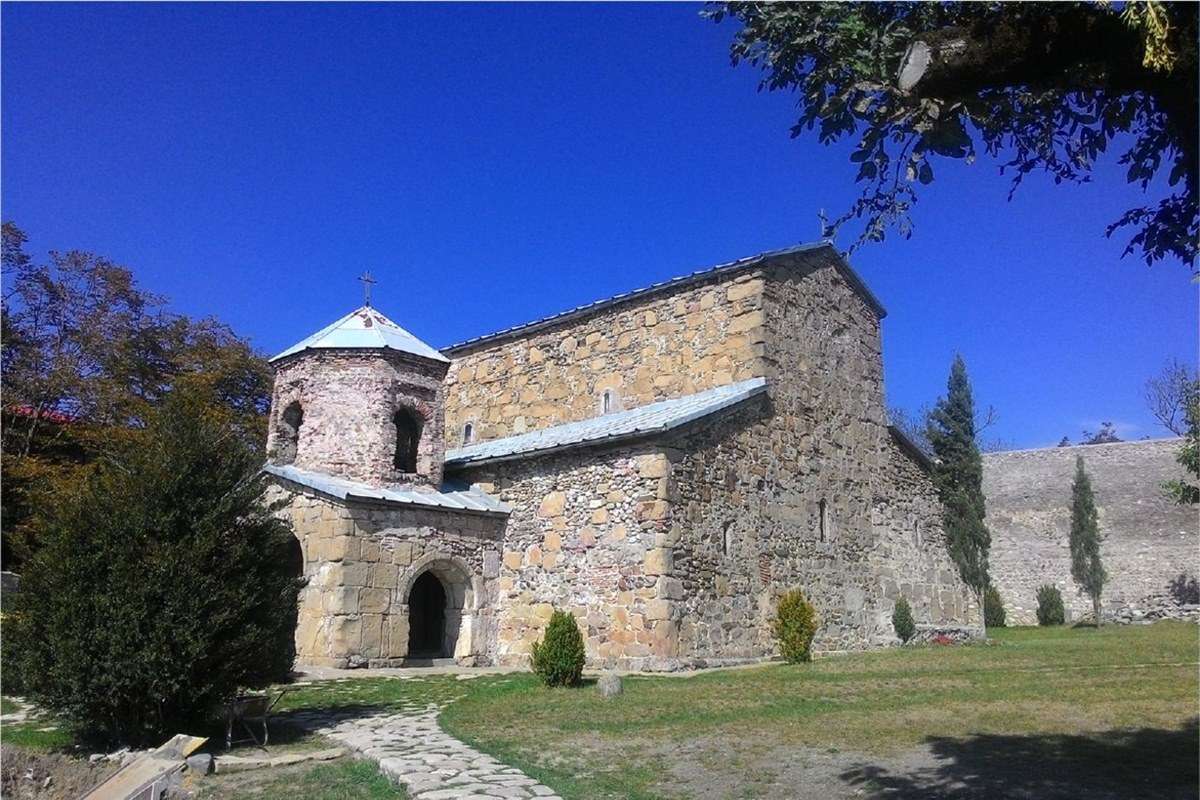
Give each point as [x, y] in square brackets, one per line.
[288, 728]
[1147, 763]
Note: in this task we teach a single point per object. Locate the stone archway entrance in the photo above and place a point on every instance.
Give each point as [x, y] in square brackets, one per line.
[439, 599]
[427, 619]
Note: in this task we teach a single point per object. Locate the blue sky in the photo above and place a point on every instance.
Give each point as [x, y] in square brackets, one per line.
[492, 164]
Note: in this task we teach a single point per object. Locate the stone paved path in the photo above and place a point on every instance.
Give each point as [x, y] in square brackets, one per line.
[432, 764]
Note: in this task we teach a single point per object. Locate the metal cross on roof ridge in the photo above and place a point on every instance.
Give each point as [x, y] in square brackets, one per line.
[366, 281]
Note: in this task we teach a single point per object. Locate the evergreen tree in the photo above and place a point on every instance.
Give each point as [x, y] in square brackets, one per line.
[164, 586]
[958, 475]
[1086, 568]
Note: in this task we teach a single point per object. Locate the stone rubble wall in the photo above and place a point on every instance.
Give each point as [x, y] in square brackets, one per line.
[584, 537]
[911, 557]
[667, 344]
[748, 491]
[637, 538]
[1149, 539]
[349, 399]
[360, 560]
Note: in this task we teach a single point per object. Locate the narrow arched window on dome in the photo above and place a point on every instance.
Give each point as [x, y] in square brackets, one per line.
[468, 433]
[408, 436]
[826, 532]
[287, 438]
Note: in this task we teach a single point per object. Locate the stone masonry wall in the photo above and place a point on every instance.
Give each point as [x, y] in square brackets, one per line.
[361, 560]
[349, 398]
[910, 556]
[584, 537]
[683, 564]
[746, 521]
[668, 344]
[1148, 539]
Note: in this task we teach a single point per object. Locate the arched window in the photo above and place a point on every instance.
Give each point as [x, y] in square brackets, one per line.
[468, 433]
[408, 436]
[608, 401]
[727, 538]
[823, 509]
[287, 440]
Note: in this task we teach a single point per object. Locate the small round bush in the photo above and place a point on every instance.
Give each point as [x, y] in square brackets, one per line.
[993, 608]
[794, 626]
[902, 621]
[558, 658]
[1050, 606]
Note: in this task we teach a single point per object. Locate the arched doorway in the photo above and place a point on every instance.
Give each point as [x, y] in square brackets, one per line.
[427, 619]
[438, 597]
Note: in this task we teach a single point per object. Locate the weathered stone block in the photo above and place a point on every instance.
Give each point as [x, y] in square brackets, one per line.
[552, 505]
[653, 465]
[341, 547]
[375, 600]
[658, 610]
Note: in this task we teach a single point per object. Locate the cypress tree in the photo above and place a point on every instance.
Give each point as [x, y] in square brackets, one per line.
[958, 475]
[1086, 568]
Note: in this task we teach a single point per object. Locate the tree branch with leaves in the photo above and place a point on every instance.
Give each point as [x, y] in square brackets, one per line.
[1038, 86]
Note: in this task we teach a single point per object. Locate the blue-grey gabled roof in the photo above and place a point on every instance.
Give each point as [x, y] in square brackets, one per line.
[365, 328]
[644, 421]
[452, 497]
[824, 247]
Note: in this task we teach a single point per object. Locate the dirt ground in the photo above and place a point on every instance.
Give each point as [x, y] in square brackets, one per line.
[1146, 764]
[30, 775]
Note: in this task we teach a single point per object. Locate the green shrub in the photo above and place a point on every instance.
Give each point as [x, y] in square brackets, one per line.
[993, 608]
[163, 586]
[794, 626]
[902, 621]
[558, 658]
[1050, 606]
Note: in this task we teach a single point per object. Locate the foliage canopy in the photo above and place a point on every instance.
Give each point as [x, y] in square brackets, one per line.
[958, 475]
[87, 356]
[163, 585]
[559, 657]
[1040, 86]
[1050, 609]
[1086, 568]
[902, 621]
[794, 626]
[994, 615]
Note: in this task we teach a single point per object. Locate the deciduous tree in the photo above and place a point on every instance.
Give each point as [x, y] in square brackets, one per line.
[87, 354]
[1039, 86]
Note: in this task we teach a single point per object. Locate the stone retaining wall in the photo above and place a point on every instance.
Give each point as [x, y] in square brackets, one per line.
[1148, 538]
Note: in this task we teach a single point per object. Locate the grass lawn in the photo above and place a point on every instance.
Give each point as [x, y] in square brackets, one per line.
[1041, 712]
[1036, 713]
[344, 779]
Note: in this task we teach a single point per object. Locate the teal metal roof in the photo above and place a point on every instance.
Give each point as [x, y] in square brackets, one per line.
[452, 497]
[634, 423]
[365, 329]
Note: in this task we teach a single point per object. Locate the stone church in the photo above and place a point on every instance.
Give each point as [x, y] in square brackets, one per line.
[662, 464]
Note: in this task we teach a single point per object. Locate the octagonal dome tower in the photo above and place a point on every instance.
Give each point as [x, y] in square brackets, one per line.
[362, 400]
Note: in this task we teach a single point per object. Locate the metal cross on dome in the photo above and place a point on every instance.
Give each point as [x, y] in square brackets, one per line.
[366, 281]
